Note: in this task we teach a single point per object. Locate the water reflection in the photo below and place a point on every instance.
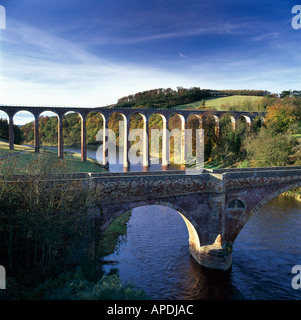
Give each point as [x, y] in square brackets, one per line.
[117, 166]
[155, 256]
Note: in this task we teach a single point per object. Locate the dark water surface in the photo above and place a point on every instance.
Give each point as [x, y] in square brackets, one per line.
[155, 256]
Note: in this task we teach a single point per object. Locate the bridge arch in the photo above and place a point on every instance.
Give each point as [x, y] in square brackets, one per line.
[216, 119]
[144, 147]
[178, 137]
[248, 215]
[119, 123]
[31, 124]
[115, 112]
[3, 114]
[176, 113]
[273, 196]
[194, 116]
[5, 117]
[158, 138]
[95, 122]
[194, 239]
[83, 133]
[225, 119]
[39, 135]
[246, 118]
[48, 111]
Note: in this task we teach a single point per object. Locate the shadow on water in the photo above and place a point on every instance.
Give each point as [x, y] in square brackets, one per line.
[155, 256]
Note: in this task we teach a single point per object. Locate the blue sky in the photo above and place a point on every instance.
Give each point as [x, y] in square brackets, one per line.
[92, 52]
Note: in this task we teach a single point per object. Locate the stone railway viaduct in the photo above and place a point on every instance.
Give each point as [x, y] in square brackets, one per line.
[184, 114]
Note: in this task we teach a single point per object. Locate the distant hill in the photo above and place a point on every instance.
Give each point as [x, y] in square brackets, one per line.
[169, 98]
[234, 103]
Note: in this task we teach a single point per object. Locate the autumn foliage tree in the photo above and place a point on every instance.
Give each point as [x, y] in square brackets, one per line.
[283, 118]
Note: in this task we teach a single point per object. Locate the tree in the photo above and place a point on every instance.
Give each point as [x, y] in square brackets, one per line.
[283, 118]
[43, 221]
[4, 132]
[268, 149]
[285, 93]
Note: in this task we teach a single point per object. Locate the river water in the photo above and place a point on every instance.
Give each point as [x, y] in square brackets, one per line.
[116, 165]
[154, 255]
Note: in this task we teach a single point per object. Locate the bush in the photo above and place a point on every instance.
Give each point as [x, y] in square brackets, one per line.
[73, 286]
[267, 149]
[45, 224]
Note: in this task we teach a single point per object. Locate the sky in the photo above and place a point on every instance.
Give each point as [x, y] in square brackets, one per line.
[90, 53]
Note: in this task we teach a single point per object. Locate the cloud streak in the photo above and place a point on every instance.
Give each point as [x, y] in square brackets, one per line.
[39, 68]
[220, 29]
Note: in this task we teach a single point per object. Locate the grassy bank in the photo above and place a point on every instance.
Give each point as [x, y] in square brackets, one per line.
[4, 149]
[23, 160]
[110, 236]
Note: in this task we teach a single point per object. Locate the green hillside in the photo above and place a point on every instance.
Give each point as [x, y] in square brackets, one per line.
[237, 102]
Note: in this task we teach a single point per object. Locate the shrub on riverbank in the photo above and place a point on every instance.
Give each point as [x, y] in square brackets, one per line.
[109, 238]
[46, 229]
[43, 223]
[74, 286]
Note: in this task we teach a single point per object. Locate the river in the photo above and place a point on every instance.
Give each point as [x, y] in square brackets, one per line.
[154, 255]
[116, 166]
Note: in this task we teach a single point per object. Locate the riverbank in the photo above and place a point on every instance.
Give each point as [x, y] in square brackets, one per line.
[296, 194]
[110, 237]
[23, 160]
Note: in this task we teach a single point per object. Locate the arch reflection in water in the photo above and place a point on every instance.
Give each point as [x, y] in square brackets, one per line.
[155, 256]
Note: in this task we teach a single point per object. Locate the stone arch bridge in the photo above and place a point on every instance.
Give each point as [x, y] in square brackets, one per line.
[126, 113]
[215, 205]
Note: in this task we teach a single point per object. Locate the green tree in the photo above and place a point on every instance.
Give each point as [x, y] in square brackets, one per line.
[268, 149]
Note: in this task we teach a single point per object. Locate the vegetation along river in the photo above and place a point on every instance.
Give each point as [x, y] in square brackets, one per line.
[155, 256]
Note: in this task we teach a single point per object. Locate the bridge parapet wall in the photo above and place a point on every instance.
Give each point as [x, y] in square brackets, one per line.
[144, 187]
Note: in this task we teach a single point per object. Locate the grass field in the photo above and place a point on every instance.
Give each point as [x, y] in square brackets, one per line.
[25, 160]
[4, 148]
[222, 104]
